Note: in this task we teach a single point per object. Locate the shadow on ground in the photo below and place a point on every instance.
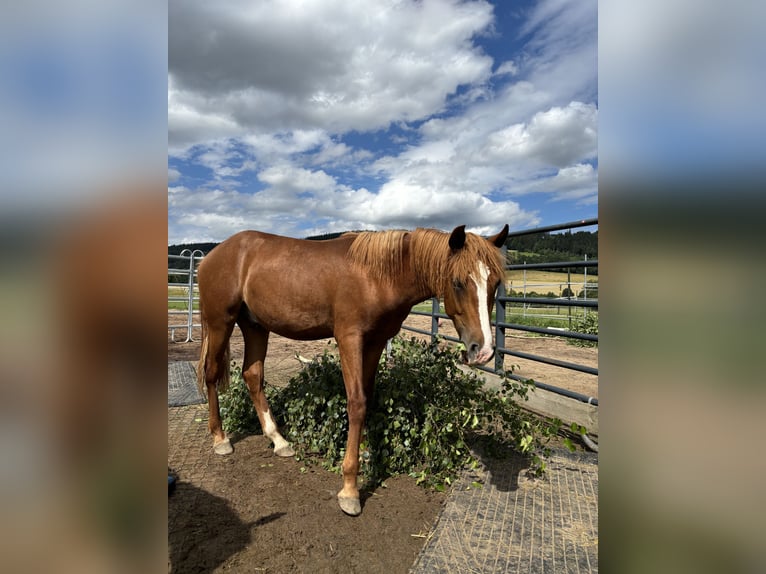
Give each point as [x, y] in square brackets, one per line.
[508, 468]
[203, 531]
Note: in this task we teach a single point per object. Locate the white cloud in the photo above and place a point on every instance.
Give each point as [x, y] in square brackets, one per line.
[290, 179]
[507, 68]
[468, 154]
[555, 137]
[577, 183]
[262, 94]
[317, 196]
[334, 65]
[561, 54]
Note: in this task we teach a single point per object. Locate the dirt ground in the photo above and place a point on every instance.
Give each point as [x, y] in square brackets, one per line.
[255, 512]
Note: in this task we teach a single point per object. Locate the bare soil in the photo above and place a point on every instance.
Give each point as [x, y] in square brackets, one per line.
[254, 512]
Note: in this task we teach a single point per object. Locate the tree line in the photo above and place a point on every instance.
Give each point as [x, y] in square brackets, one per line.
[550, 247]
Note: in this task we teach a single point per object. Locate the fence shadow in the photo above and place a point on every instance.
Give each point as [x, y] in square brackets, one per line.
[507, 468]
[503, 463]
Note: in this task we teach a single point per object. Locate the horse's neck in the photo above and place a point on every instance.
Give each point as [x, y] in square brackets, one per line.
[413, 287]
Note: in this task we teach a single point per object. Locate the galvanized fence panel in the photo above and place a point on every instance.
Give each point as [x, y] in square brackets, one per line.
[187, 262]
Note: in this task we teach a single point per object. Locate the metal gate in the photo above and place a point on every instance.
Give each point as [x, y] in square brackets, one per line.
[183, 295]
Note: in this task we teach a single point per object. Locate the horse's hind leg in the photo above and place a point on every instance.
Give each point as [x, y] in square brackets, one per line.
[216, 369]
[256, 343]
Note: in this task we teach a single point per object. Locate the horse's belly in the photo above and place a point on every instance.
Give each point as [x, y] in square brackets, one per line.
[301, 324]
[305, 334]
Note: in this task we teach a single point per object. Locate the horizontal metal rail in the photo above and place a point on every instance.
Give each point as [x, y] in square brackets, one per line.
[549, 361]
[551, 302]
[548, 331]
[421, 331]
[558, 227]
[559, 391]
[552, 265]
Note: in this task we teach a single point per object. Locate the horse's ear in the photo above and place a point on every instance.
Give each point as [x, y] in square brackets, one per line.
[457, 238]
[499, 239]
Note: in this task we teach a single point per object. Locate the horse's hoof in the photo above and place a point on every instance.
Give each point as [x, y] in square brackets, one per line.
[350, 506]
[285, 451]
[223, 447]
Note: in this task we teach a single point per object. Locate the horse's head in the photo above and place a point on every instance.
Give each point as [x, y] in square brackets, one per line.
[475, 269]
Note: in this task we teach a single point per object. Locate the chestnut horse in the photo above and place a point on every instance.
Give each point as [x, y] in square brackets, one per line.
[358, 288]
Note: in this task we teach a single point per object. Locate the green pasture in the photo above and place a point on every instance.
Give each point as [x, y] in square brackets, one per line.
[177, 292]
[544, 282]
[532, 316]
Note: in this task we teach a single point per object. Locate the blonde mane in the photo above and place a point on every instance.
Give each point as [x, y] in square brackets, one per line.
[381, 253]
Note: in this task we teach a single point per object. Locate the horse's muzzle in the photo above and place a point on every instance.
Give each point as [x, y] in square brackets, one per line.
[475, 356]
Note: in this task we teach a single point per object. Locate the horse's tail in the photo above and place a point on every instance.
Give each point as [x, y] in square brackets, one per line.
[224, 377]
[201, 363]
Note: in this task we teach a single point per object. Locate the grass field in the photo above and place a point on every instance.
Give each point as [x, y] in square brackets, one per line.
[180, 292]
[541, 282]
[544, 281]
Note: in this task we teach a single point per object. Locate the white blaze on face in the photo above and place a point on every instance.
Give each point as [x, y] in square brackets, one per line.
[481, 295]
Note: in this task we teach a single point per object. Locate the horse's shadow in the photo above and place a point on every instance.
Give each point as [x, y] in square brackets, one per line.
[204, 531]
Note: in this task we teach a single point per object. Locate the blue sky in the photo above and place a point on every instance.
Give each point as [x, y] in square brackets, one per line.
[313, 117]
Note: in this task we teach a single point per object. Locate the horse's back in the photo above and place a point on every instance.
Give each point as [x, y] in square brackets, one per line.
[290, 286]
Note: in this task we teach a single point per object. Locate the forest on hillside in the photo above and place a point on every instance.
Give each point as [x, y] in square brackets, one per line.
[549, 247]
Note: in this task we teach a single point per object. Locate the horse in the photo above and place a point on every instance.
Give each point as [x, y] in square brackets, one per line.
[359, 289]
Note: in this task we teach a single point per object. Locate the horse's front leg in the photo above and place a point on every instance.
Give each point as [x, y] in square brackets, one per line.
[359, 363]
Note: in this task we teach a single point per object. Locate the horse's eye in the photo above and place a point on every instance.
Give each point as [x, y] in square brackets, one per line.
[458, 285]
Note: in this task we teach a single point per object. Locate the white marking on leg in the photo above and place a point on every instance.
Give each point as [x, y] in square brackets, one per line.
[270, 430]
[481, 295]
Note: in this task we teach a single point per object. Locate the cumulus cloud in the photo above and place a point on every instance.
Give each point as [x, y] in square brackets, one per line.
[327, 64]
[556, 137]
[328, 116]
[507, 68]
[320, 198]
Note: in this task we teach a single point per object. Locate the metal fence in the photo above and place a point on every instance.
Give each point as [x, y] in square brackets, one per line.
[183, 293]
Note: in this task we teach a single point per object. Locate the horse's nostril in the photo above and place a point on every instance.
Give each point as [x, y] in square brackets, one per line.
[473, 349]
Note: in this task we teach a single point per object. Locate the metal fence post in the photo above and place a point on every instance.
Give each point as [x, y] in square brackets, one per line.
[500, 318]
[434, 318]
